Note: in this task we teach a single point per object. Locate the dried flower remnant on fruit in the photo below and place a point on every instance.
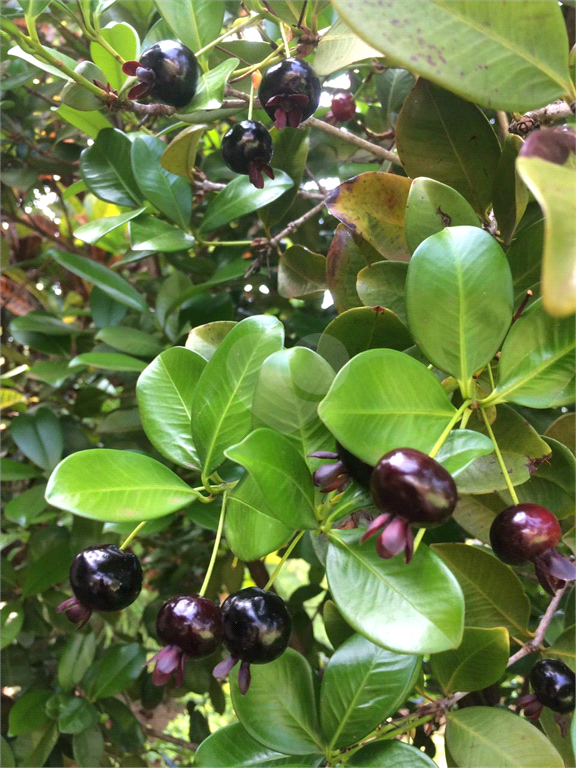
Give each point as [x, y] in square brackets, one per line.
[553, 684]
[529, 533]
[103, 578]
[190, 627]
[247, 148]
[168, 72]
[290, 92]
[257, 628]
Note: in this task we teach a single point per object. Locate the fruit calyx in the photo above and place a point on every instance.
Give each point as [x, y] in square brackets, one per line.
[168, 71]
[330, 477]
[247, 148]
[290, 92]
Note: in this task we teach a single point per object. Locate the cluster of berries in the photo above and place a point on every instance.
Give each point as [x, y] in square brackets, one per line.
[254, 625]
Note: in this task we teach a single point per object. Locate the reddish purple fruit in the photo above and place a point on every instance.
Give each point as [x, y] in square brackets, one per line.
[247, 148]
[290, 92]
[343, 107]
[190, 626]
[168, 71]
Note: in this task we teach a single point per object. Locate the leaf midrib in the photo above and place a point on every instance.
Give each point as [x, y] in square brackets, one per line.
[500, 393]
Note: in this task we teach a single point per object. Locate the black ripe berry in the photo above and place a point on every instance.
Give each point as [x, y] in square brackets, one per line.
[290, 92]
[247, 148]
[103, 579]
[342, 109]
[168, 71]
[553, 684]
[411, 489]
[257, 628]
[190, 626]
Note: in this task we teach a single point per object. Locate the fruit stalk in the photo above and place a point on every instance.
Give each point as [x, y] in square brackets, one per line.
[132, 536]
[206, 581]
[285, 557]
[492, 437]
[444, 436]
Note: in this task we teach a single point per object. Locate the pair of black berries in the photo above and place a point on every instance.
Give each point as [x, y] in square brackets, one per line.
[289, 92]
[254, 625]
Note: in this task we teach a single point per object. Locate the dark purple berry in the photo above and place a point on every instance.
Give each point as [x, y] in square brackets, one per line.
[102, 578]
[247, 148]
[343, 107]
[290, 92]
[522, 532]
[257, 628]
[190, 626]
[553, 683]
[168, 71]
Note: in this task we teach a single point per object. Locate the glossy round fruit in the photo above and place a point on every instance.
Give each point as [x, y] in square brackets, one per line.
[192, 623]
[290, 92]
[410, 484]
[257, 625]
[247, 148]
[343, 107]
[168, 72]
[105, 578]
[553, 683]
[523, 532]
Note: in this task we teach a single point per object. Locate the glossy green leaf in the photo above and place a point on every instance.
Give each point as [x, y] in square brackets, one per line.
[233, 747]
[165, 390]
[11, 620]
[250, 531]
[391, 754]
[507, 57]
[39, 437]
[424, 604]
[478, 662]
[290, 154]
[90, 123]
[105, 310]
[448, 139]
[563, 648]
[554, 187]
[372, 205]
[124, 40]
[359, 329]
[50, 568]
[340, 47]
[383, 399]
[205, 339]
[194, 22]
[75, 659]
[95, 230]
[27, 714]
[562, 743]
[40, 322]
[171, 194]
[130, 340]
[116, 486]
[240, 197]
[109, 361]
[37, 62]
[6, 755]
[382, 284]
[301, 272]
[99, 275]
[286, 690]
[344, 261]
[362, 685]
[78, 97]
[148, 233]
[210, 92]
[433, 206]
[492, 737]
[493, 594]
[290, 385]
[14, 470]
[76, 715]
[550, 485]
[510, 195]
[114, 671]
[562, 429]
[280, 474]
[88, 747]
[392, 88]
[456, 279]
[33, 749]
[180, 155]
[26, 506]
[106, 170]
[34, 8]
[536, 367]
[461, 447]
[337, 628]
[221, 409]
[525, 257]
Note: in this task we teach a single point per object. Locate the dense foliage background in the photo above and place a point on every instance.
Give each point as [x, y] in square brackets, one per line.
[173, 336]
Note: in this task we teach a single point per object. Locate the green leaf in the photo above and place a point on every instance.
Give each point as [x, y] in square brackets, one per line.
[508, 56]
[239, 198]
[290, 155]
[11, 620]
[148, 233]
[165, 391]
[337, 629]
[40, 322]
[171, 194]
[250, 531]
[210, 92]
[286, 689]
[536, 367]
[550, 485]
[75, 659]
[33, 8]
[490, 737]
[382, 284]
[48, 569]
[95, 230]
[301, 272]
[340, 47]
[431, 207]
[372, 205]
[205, 339]
[88, 748]
[344, 261]
[39, 437]
[391, 754]
[27, 714]
[78, 97]
[105, 310]
[14, 470]
[130, 340]
[106, 170]
[525, 258]
[109, 361]
[563, 648]
[26, 506]
[554, 187]
[280, 474]
[359, 329]
[194, 22]
[561, 742]
[383, 399]
[493, 594]
[362, 685]
[290, 385]
[478, 662]
[510, 195]
[33, 749]
[461, 447]
[424, 605]
[108, 281]
[114, 671]
[53, 372]
[450, 140]
[90, 123]
[233, 747]
[37, 62]
[392, 88]
[7, 758]
[180, 155]
[124, 40]
[456, 279]
[116, 486]
[76, 715]
[221, 409]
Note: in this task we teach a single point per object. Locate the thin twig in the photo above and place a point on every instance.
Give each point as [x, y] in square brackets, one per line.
[171, 739]
[547, 115]
[534, 645]
[275, 241]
